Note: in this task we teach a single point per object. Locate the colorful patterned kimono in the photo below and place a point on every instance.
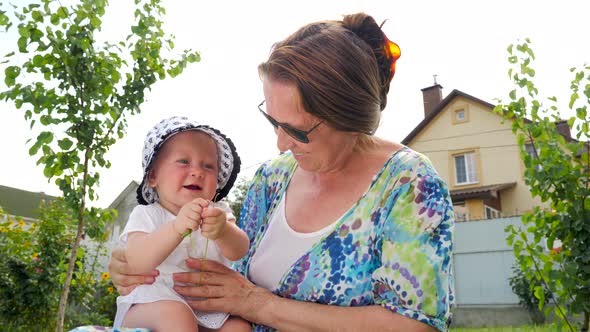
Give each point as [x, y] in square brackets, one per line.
[391, 248]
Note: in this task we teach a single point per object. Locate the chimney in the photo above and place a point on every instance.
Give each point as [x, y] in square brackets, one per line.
[432, 96]
[564, 129]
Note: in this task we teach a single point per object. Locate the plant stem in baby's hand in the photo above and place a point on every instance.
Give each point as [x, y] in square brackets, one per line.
[204, 259]
[186, 233]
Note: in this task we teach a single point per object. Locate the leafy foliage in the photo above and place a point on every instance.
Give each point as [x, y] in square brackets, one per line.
[81, 93]
[239, 194]
[554, 249]
[524, 288]
[33, 270]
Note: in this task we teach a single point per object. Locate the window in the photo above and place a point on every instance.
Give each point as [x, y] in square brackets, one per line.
[530, 150]
[460, 115]
[465, 168]
[491, 213]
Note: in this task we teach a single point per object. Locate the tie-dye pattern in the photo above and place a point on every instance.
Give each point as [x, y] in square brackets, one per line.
[392, 248]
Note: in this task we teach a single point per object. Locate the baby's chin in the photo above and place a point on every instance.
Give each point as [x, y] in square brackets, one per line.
[198, 193]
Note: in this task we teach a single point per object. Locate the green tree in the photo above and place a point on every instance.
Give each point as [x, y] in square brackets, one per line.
[238, 194]
[81, 93]
[554, 248]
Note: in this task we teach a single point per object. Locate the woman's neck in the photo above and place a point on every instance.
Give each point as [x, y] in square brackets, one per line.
[369, 152]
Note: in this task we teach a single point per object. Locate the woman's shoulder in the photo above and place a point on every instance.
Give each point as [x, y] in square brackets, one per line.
[282, 164]
[411, 160]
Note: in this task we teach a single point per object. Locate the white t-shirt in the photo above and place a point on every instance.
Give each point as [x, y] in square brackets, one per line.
[147, 219]
[269, 265]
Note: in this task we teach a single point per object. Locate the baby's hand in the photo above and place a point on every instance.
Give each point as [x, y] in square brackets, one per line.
[213, 222]
[189, 216]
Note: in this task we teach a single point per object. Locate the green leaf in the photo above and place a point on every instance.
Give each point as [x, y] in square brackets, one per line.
[45, 137]
[54, 19]
[62, 12]
[573, 99]
[4, 20]
[11, 73]
[24, 31]
[85, 43]
[512, 95]
[37, 16]
[513, 59]
[95, 22]
[34, 149]
[65, 143]
[38, 60]
[195, 57]
[22, 44]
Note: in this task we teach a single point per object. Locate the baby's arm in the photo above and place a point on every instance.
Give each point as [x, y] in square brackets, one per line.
[145, 251]
[231, 240]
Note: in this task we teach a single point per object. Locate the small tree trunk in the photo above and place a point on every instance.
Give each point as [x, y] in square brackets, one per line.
[586, 321]
[63, 301]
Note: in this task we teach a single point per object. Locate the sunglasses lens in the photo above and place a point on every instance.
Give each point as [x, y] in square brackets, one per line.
[298, 135]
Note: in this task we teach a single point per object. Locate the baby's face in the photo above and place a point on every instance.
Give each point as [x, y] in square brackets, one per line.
[185, 168]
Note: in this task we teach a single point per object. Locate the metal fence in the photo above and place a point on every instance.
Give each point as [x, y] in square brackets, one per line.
[483, 263]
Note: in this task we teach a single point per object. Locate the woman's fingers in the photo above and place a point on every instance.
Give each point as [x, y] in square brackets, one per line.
[125, 290]
[241, 301]
[124, 278]
[207, 291]
[202, 278]
[208, 266]
[211, 304]
[123, 281]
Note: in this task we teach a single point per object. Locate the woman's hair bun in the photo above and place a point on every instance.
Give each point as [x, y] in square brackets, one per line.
[365, 27]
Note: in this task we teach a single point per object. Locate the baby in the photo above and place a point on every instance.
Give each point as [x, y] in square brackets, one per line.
[187, 169]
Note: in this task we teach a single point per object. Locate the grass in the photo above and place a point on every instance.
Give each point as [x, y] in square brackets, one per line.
[528, 328]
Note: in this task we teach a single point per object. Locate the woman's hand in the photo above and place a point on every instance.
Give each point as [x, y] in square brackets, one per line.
[124, 279]
[225, 289]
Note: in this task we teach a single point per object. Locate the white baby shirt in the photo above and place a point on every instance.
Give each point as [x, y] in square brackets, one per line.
[148, 218]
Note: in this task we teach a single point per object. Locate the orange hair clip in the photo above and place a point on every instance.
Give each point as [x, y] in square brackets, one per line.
[392, 51]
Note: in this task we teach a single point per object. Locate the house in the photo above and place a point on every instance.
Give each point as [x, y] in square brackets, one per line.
[124, 204]
[475, 153]
[22, 203]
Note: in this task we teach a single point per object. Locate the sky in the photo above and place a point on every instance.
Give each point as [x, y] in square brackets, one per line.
[462, 42]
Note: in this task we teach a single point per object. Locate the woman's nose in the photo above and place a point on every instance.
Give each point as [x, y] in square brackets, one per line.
[284, 141]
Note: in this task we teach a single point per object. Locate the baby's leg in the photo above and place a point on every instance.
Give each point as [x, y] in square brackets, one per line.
[234, 323]
[161, 316]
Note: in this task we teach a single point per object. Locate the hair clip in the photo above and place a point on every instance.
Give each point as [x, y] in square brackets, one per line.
[392, 51]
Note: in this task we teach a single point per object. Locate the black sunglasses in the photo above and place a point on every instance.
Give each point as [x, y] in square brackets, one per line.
[298, 134]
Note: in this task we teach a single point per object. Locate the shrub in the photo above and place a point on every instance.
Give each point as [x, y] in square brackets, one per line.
[32, 273]
[525, 290]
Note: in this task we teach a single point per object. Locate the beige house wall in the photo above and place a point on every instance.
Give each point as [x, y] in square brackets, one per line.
[493, 142]
[475, 208]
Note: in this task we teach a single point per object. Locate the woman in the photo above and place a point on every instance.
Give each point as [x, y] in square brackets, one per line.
[348, 231]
